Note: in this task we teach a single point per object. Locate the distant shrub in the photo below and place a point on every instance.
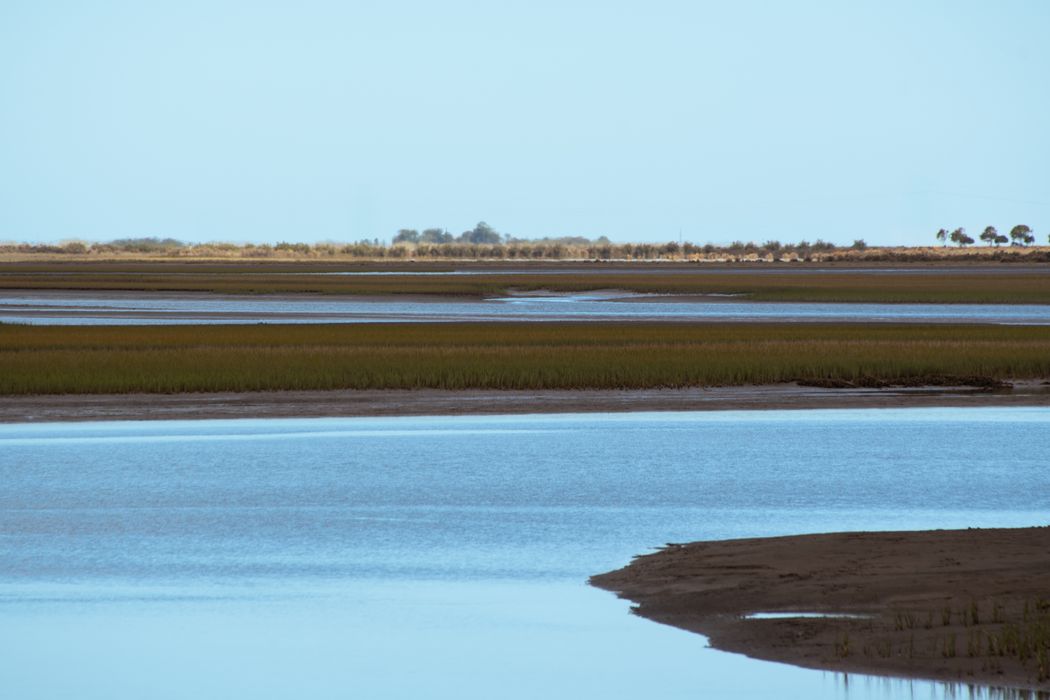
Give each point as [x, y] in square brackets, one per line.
[145, 245]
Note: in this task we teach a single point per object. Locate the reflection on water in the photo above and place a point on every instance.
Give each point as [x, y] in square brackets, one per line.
[446, 557]
[873, 686]
[64, 308]
[804, 615]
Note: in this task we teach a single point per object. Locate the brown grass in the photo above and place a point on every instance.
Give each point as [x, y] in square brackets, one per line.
[42, 360]
[1016, 287]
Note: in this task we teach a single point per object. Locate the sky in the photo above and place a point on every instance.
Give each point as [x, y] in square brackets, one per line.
[714, 121]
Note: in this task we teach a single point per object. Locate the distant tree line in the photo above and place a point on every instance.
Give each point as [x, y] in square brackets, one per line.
[483, 242]
[482, 234]
[424, 247]
[1020, 235]
[425, 244]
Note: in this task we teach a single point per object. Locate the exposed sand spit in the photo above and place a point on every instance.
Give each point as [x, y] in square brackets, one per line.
[954, 605]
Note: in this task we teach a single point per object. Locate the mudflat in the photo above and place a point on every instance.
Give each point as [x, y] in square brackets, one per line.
[954, 605]
[391, 402]
[987, 283]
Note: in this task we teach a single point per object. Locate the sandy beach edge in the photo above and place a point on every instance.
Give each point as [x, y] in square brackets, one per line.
[422, 402]
[959, 606]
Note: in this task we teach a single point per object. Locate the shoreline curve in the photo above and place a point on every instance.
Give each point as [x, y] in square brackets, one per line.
[970, 606]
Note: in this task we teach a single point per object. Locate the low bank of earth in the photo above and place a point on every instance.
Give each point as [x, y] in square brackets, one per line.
[969, 606]
[421, 402]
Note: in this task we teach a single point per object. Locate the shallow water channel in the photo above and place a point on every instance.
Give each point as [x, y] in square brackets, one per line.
[138, 308]
[448, 557]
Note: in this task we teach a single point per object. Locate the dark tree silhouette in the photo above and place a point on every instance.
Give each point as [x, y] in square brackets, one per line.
[436, 236]
[1021, 235]
[959, 237]
[407, 235]
[482, 233]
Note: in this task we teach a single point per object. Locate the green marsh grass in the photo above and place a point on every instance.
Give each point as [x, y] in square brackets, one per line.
[167, 359]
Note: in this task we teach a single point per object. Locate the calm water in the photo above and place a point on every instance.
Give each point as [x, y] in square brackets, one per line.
[64, 308]
[446, 557]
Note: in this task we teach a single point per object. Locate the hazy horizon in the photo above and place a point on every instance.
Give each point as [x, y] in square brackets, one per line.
[316, 121]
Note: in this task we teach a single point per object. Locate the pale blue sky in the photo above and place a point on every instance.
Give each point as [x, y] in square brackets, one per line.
[314, 120]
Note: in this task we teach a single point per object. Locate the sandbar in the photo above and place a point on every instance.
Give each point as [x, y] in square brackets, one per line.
[965, 606]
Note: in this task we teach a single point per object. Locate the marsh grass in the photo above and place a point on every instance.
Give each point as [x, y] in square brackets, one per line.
[1026, 640]
[815, 286]
[1012, 636]
[168, 359]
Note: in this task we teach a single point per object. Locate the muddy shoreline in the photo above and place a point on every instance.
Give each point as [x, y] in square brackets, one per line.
[969, 606]
[391, 402]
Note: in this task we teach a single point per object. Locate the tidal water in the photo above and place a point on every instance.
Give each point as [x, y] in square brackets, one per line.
[89, 308]
[448, 556]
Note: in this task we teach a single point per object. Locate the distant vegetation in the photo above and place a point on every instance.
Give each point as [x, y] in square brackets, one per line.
[480, 243]
[483, 242]
[166, 359]
[1020, 235]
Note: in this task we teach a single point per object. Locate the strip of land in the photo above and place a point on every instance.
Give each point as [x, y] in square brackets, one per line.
[395, 402]
[1005, 284]
[953, 605]
[512, 356]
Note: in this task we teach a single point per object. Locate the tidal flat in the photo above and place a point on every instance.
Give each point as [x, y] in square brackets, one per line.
[45, 408]
[799, 282]
[108, 307]
[958, 605]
